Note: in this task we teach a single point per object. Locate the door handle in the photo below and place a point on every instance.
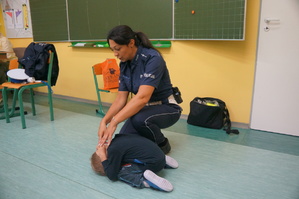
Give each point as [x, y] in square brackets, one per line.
[269, 20]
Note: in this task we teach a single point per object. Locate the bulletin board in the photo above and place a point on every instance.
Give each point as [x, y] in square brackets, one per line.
[17, 18]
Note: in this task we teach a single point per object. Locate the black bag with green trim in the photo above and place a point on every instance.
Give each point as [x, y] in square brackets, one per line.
[210, 113]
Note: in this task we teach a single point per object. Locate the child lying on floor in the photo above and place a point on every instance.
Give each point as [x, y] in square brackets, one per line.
[135, 160]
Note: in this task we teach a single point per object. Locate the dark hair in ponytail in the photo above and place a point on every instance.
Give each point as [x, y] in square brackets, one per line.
[123, 34]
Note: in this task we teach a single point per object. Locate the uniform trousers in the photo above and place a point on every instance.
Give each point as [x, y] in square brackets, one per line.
[149, 121]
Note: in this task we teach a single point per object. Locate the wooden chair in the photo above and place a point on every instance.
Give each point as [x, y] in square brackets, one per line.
[20, 88]
[97, 73]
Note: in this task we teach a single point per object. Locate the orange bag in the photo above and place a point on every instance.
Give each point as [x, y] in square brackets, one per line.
[110, 71]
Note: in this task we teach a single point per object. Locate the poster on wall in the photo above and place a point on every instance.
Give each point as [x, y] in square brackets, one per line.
[16, 15]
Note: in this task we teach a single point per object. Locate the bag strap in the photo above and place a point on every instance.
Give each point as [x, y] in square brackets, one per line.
[227, 123]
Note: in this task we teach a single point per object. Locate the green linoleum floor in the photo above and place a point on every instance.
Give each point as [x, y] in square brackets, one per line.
[51, 160]
[248, 137]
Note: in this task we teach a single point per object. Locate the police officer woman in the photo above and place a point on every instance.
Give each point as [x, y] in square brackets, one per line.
[143, 72]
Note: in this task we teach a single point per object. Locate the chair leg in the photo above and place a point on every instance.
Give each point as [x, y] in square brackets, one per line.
[14, 102]
[100, 111]
[20, 97]
[32, 101]
[13, 105]
[5, 104]
[12, 111]
[50, 100]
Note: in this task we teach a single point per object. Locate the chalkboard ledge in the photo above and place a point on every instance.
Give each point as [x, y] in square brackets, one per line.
[103, 44]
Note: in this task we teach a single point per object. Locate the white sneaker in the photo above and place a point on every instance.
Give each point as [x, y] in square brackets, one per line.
[157, 182]
[171, 163]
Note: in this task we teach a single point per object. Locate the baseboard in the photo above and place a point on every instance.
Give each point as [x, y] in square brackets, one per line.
[183, 116]
[73, 98]
[240, 125]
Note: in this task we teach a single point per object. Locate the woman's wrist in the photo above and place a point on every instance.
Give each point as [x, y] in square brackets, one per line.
[114, 120]
[104, 121]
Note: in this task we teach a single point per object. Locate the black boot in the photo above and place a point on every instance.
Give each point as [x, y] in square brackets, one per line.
[165, 146]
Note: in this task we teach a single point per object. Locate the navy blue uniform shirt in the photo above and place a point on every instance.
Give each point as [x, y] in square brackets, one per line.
[147, 68]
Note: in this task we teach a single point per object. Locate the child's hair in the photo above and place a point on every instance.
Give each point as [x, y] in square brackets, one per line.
[96, 164]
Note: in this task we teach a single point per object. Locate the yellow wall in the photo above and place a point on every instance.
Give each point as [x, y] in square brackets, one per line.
[221, 69]
[2, 26]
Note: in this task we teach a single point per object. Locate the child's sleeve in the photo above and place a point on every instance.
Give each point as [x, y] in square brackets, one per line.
[112, 165]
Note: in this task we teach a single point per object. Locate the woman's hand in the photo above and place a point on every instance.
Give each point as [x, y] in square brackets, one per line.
[105, 133]
[102, 130]
[102, 152]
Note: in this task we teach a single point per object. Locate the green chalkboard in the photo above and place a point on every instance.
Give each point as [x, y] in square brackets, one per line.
[90, 20]
[209, 19]
[49, 20]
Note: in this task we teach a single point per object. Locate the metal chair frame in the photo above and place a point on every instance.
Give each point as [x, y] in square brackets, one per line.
[13, 64]
[20, 88]
[97, 71]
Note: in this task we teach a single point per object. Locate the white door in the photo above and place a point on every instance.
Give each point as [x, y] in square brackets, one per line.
[275, 105]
